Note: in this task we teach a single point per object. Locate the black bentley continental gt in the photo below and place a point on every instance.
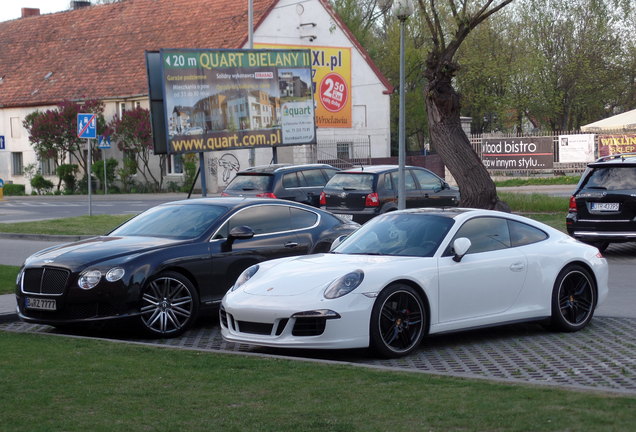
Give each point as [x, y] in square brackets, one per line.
[168, 264]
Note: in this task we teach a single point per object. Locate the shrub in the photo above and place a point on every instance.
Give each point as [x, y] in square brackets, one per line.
[41, 185]
[14, 189]
[67, 173]
[98, 170]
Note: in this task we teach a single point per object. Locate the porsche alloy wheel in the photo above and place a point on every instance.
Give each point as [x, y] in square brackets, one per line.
[573, 299]
[397, 321]
[169, 305]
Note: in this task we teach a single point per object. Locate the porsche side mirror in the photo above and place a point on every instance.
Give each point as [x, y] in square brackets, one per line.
[460, 247]
[337, 242]
[237, 233]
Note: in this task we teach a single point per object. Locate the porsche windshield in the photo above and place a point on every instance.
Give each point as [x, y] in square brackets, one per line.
[180, 221]
[408, 234]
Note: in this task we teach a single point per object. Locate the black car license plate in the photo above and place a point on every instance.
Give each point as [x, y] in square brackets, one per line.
[40, 303]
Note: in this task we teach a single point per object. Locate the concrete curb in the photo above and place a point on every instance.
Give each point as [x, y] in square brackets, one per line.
[45, 237]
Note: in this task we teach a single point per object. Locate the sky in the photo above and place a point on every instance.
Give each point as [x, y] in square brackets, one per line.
[11, 9]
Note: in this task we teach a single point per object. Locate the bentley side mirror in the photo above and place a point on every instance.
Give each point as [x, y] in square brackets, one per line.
[460, 247]
[237, 233]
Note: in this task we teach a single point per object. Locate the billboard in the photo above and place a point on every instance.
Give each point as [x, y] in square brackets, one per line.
[613, 144]
[576, 148]
[517, 153]
[234, 99]
[331, 83]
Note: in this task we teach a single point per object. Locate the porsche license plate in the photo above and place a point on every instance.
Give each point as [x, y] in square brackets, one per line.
[39, 303]
[605, 206]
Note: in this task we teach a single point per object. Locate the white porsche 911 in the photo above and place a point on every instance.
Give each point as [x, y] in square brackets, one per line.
[410, 273]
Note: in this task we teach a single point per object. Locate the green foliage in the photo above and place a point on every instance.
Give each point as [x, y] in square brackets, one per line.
[190, 168]
[67, 173]
[98, 170]
[126, 173]
[11, 189]
[41, 185]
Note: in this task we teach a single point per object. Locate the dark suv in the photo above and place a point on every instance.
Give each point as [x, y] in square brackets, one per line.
[362, 193]
[301, 183]
[603, 207]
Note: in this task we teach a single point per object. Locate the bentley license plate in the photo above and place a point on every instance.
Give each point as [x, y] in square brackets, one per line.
[605, 206]
[39, 303]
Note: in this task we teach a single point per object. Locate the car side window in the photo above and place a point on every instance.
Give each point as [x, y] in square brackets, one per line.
[388, 182]
[263, 219]
[485, 234]
[313, 177]
[409, 181]
[522, 234]
[302, 219]
[290, 180]
[427, 180]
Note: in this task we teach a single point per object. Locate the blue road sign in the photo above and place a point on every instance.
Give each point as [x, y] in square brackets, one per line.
[86, 126]
[104, 142]
[1, 142]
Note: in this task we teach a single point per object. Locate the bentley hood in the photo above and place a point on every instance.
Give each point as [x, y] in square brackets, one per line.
[96, 249]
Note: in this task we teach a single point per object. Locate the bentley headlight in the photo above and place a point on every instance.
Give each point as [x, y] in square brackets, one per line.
[114, 274]
[344, 285]
[89, 279]
[245, 276]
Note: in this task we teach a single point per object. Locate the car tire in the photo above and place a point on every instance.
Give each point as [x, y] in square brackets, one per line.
[573, 299]
[398, 321]
[169, 305]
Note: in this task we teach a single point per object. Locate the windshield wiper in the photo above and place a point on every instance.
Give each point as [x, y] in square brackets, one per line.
[349, 188]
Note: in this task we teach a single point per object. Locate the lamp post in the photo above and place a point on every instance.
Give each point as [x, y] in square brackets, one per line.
[402, 9]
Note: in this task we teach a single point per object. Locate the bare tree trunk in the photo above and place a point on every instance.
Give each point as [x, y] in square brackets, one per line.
[443, 107]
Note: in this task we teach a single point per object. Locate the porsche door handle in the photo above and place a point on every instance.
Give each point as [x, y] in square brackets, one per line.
[517, 267]
[291, 245]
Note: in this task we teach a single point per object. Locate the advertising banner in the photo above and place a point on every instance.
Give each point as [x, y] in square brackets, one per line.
[576, 148]
[234, 99]
[331, 83]
[524, 153]
[613, 144]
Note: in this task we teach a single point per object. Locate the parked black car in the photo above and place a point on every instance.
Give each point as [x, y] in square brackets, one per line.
[603, 206]
[364, 192]
[165, 265]
[300, 183]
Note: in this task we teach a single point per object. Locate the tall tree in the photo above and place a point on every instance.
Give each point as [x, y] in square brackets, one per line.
[133, 134]
[449, 24]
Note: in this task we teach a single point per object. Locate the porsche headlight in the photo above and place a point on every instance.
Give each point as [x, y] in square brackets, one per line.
[245, 276]
[344, 285]
[89, 279]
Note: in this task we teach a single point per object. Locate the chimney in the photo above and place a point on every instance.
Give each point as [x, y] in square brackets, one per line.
[79, 4]
[29, 12]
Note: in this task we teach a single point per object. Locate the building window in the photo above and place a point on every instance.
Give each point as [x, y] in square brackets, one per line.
[175, 164]
[16, 127]
[121, 109]
[47, 167]
[17, 167]
[343, 150]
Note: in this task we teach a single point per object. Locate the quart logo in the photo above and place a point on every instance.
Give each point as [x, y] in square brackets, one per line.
[264, 75]
[295, 111]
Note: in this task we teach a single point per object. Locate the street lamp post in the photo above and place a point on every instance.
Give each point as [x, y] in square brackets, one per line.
[402, 9]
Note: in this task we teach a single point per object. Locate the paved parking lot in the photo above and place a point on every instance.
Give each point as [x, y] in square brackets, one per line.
[601, 357]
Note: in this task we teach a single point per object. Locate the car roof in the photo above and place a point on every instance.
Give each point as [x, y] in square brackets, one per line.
[276, 168]
[619, 159]
[373, 169]
[234, 202]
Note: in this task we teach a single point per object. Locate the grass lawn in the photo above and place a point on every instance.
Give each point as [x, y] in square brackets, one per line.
[80, 225]
[62, 383]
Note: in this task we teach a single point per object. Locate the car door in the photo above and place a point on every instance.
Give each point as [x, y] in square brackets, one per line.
[274, 237]
[431, 189]
[488, 279]
[413, 198]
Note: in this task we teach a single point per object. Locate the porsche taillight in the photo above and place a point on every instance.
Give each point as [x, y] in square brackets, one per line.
[372, 200]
